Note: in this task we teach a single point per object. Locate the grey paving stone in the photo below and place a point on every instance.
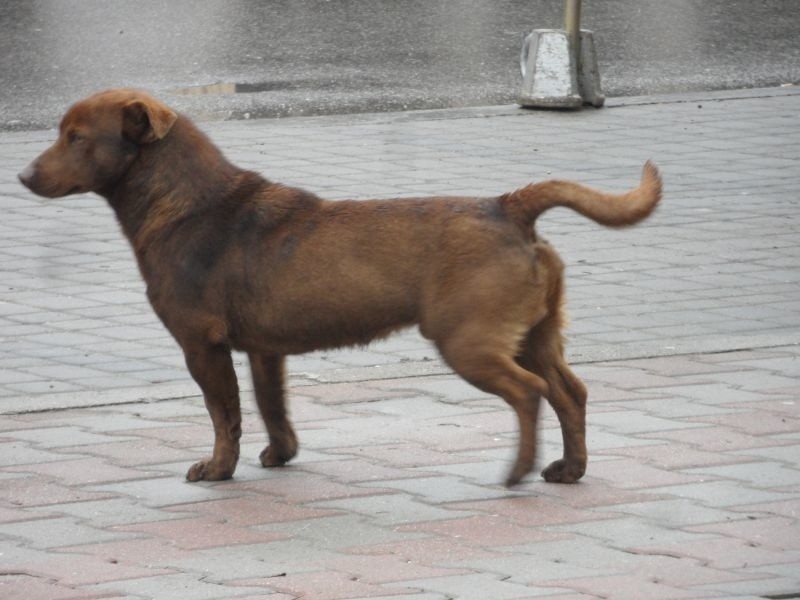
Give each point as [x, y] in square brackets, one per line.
[113, 511]
[721, 494]
[393, 509]
[164, 491]
[345, 531]
[58, 532]
[756, 474]
[17, 453]
[675, 513]
[479, 587]
[439, 490]
[176, 586]
[631, 532]
[54, 437]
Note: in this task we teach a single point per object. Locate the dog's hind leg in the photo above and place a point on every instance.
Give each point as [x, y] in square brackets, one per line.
[212, 369]
[542, 353]
[494, 371]
[268, 381]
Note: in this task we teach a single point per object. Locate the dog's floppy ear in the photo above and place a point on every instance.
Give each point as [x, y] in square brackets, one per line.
[146, 120]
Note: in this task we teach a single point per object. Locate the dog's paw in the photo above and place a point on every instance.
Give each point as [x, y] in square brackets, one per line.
[273, 456]
[209, 470]
[561, 471]
[521, 468]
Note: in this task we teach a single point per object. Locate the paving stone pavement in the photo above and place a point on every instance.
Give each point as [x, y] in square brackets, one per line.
[685, 330]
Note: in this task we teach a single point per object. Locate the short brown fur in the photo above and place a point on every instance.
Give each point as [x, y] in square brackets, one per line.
[235, 262]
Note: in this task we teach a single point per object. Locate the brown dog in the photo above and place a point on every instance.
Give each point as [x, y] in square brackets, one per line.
[235, 262]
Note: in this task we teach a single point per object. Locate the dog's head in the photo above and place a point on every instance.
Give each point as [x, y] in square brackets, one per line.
[98, 139]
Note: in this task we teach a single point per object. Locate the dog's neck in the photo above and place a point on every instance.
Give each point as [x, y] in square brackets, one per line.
[165, 179]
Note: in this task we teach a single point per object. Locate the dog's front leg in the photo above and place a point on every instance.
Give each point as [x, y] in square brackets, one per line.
[268, 376]
[212, 369]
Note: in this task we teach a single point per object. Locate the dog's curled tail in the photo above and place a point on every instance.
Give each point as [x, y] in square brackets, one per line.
[611, 210]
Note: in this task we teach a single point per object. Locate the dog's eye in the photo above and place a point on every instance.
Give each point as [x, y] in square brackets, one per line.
[73, 137]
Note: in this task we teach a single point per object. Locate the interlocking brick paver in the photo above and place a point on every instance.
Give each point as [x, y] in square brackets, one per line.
[775, 533]
[622, 587]
[722, 494]
[631, 531]
[489, 530]
[57, 532]
[82, 471]
[22, 585]
[201, 532]
[175, 586]
[477, 587]
[437, 490]
[32, 490]
[632, 474]
[356, 470]
[335, 585]
[685, 331]
[344, 531]
[394, 509]
[18, 453]
[250, 510]
[756, 474]
[672, 457]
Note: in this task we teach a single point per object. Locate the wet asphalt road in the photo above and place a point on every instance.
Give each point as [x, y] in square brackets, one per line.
[296, 57]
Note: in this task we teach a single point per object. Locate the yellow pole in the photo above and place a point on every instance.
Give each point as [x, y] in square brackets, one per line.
[572, 25]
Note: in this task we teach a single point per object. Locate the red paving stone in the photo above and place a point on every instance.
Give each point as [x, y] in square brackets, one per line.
[244, 511]
[531, 511]
[202, 532]
[485, 530]
[38, 491]
[27, 587]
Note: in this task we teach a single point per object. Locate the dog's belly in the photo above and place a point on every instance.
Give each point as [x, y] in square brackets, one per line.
[290, 324]
[298, 338]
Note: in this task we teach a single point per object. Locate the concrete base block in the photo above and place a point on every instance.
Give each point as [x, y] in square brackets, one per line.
[588, 73]
[551, 79]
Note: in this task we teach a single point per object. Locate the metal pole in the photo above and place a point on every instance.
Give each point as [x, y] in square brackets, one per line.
[572, 25]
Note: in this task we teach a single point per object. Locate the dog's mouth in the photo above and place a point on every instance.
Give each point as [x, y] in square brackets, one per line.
[52, 191]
